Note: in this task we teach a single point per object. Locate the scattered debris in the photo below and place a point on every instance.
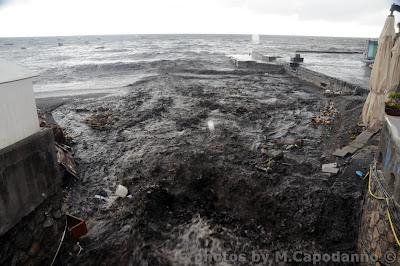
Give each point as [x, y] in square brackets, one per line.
[121, 191]
[64, 155]
[360, 173]
[100, 197]
[211, 125]
[46, 120]
[267, 170]
[100, 121]
[331, 168]
[327, 116]
[64, 158]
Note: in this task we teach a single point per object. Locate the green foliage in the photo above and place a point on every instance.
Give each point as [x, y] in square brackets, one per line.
[393, 101]
[394, 95]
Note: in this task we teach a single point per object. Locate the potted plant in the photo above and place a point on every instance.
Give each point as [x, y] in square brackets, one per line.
[392, 105]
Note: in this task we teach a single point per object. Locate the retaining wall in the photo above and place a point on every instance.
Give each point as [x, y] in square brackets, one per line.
[376, 237]
[29, 174]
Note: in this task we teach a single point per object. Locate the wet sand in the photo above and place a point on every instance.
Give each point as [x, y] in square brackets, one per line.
[252, 184]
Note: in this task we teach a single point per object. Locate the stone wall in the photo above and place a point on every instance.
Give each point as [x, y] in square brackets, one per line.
[376, 237]
[29, 174]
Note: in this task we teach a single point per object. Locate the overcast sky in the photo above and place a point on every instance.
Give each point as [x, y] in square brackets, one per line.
[355, 18]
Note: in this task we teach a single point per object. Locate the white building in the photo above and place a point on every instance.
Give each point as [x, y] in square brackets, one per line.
[18, 115]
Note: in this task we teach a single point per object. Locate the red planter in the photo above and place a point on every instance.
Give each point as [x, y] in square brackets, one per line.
[392, 111]
[76, 227]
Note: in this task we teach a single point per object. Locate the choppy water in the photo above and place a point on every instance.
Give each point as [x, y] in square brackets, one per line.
[77, 64]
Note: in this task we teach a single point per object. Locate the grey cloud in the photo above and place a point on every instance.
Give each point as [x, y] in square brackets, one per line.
[333, 10]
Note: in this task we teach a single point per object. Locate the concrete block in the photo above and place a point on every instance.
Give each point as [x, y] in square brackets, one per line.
[340, 153]
[330, 168]
[29, 173]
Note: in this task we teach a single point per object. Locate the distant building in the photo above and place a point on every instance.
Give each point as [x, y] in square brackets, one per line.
[18, 115]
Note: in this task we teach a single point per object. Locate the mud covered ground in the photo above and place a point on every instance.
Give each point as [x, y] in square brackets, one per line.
[253, 184]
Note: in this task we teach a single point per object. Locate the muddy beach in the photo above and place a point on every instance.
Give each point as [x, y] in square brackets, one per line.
[216, 162]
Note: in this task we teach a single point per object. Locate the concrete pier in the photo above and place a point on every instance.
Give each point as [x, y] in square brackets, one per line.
[331, 85]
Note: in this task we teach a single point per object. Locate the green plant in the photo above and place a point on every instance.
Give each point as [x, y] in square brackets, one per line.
[394, 95]
[393, 101]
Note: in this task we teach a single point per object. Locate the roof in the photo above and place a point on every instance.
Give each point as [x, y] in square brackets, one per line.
[10, 72]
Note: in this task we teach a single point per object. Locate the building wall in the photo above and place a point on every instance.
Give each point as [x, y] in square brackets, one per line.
[29, 174]
[18, 115]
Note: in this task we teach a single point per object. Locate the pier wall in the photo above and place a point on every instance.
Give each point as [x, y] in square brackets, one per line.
[258, 66]
[29, 174]
[334, 85]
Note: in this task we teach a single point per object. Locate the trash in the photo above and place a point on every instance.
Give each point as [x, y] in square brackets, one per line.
[64, 158]
[267, 170]
[331, 168]
[100, 197]
[121, 191]
[211, 125]
[100, 121]
[327, 116]
[360, 173]
[76, 227]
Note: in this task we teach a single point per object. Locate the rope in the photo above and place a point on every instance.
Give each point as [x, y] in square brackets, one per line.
[61, 241]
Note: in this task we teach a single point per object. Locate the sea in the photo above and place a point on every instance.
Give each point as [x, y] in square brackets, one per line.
[84, 64]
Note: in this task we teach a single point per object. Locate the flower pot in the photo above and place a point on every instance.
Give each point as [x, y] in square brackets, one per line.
[392, 111]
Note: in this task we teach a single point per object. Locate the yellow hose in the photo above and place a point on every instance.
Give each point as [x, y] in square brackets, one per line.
[391, 225]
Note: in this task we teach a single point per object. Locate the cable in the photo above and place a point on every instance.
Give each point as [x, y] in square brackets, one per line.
[61, 241]
[369, 186]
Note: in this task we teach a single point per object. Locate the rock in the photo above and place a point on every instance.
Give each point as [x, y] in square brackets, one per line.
[375, 234]
[381, 227]
[358, 91]
[390, 237]
[34, 250]
[48, 223]
[40, 217]
[102, 193]
[275, 154]
[57, 214]
[378, 252]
